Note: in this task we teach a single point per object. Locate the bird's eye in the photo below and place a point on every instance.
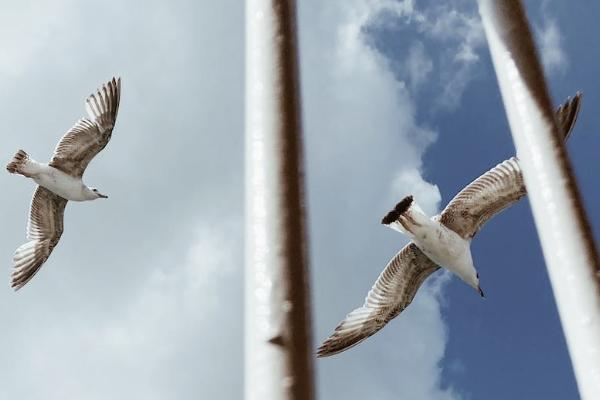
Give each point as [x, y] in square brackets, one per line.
[95, 190]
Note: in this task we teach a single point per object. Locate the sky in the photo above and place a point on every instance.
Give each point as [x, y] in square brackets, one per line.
[142, 298]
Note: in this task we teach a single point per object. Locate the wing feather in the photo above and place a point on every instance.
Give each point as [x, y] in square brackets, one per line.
[500, 187]
[89, 136]
[393, 291]
[397, 285]
[44, 230]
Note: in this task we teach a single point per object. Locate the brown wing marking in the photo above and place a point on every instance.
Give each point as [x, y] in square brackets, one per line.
[89, 136]
[393, 291]
[44, 230]
[499, 187]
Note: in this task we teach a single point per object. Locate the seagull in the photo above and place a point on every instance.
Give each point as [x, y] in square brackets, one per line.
[60, 180]
[443, 240]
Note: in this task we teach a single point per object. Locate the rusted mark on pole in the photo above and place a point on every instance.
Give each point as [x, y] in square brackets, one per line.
[278, 356]
[565, 234]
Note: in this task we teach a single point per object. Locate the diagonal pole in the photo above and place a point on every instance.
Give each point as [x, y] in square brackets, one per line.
[278, 357]
[565, 234]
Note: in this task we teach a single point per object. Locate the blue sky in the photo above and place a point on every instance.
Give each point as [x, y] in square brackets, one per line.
[511, 344]
[143, 296]
[513, 340]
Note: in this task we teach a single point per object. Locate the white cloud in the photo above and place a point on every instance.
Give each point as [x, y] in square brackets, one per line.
[410, 182]
[148, 303]
[142, 298]
[464, 30]
[418, 64]
[442, 37]
[365, 148]
[549, 40]
[550, 44]
[163, 341]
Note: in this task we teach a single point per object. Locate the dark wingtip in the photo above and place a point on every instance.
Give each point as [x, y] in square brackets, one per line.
[567, 113]
[397, 211]
[324, 351]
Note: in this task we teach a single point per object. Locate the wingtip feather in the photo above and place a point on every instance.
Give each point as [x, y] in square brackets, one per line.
[103, 105]
[354, 329]
[567, 113]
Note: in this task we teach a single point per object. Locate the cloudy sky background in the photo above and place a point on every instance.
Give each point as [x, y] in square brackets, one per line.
[143, 296]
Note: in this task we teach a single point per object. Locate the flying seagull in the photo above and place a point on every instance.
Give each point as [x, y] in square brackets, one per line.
[443, 240]
[61, 179]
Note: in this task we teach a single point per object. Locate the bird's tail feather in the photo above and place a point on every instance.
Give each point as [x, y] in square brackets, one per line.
[400, 209]
[18, 164]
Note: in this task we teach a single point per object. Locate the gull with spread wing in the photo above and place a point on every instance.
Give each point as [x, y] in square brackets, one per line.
[443, 240]
[60, 180]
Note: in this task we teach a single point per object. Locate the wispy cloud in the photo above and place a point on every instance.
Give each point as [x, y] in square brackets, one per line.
[551, 46]
[148, 303]
[442, 39]
[463, 31]
[549, 39]
[419, 65]
[365, 149]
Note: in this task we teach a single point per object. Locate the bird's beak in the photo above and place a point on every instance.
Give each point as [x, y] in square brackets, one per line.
[481, 291]
[102, 196]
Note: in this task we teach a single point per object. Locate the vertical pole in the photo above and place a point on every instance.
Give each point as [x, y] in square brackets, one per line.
[278, 357]
[565, 235]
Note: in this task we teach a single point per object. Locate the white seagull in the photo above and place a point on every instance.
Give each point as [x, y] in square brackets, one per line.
[443, 240]
[61, 180]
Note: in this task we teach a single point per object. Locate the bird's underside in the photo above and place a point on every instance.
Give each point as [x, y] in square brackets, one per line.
[71, 156]
[465, 214]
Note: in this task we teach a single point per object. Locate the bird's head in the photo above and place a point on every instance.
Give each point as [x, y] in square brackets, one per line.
[95, 194]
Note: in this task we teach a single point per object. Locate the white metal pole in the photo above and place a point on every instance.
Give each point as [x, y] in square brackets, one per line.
[565, 235]
[278, 355]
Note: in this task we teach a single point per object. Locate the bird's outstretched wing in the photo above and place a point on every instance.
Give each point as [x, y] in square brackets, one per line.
[44, 229]
[397, 285]
[88, 137]
[393, 291]
[500, 187]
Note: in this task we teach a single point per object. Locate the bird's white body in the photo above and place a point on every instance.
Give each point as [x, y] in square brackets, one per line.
[55, 180]
[438, 242]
